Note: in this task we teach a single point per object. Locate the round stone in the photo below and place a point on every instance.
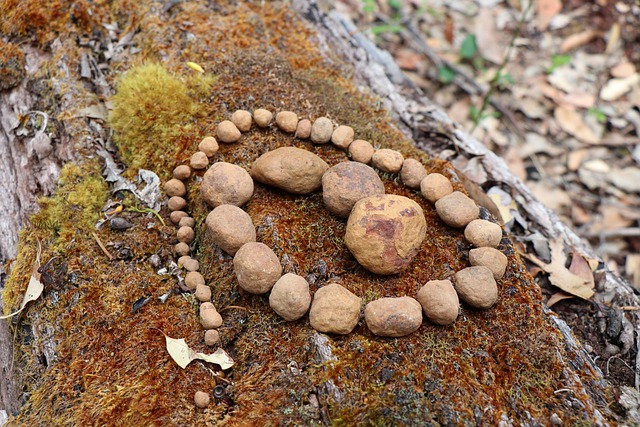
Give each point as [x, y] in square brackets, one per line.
[435, 186]
[182, 259]
[176, 203]
[439, 301]
[230, 228]
[342, 136]
[477, 287]
[226, 184]
[201, 399]
[242, 120]
[187, 221]
[457, 209]
[257, 267]
[491, 258]
[176, 216]
[199, 160]
[303, 131]
[290, 297]
[175, 187]
[208, 146]
[321, 130]
[481, 232]
[393, 317]
[262, 117]
[227, 132]
[334, 310]
[287, 121]
[182, 172]
[211, 337]
[191, 264]
[361, 151]
[203, 293]
[291, 169]
[412, 173]
[387, 160]
[181, 249]
[385, 232]
[186, 234]
[209, 316]
[346, 183]
[193, 279]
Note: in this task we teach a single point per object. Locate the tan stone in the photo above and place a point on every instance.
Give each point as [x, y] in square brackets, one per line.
[439, 301]
[226, 184]
[211, 337]
[385, 232]
[203, 293]
[199, 160]
[176, 203]
[321, 130]
[346, 183]
[387, 160]
[209, 316]
[290, 297]
[186, 234]
[181, 249]
[201, 399]
[208, 146]
[393, 317]
[230, 228]
[303, 131]
[257, 267]
[292, 169]
[435, 186]
[191, 264]
[182, 259]
[242, 120]
[187, 221]
[481, 232]
[176, 216]
[193, 279]
[457, 209]
[491, 258]
[477, 287]
[228, 132]
[175, 187]
[334, 310]
[262, 117]
[361, 151]
[412, 173]
[342, 136]
[287, 121]
[182, 172]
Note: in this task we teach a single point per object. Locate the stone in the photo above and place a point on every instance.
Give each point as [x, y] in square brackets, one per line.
[439, 301]
[257, 267]
[435, 186]
[186, 234]
[262, 117]
[385, 232]
[342, 136]
[334, 310]
[346, 183]
[387, 160]
[477, 287]
[208, 146]
[199, 160]
[201, 399]
[361, 151]
[191, 264]
[176, 216]
[290, 297]
[321, 130]
[209, 316]
[287, 121]
[193, 279]
[393, 317]
[187, 221]
[181, 249]
[491, 258]
[227, 132]
[118, 223]
[211, 337]
[230, 228]
[481, 232]
[182, 172]
[303, 131]
[457, 209]
[412, 173]
[182, 259]
[203, 293]
[175, 187]
[226, 184]
[291, 169]
[242, 120]
[176, 203]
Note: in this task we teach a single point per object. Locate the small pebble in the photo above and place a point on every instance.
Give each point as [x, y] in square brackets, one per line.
[203, 293]
[176, 203]
[193, 279]
[176, 216]
[290, 297]
[226, 184]
[387, 160]
[439, 301]
[477, 287]
[211, 337]
[321, 130]
[342, 136]
[182, 172]
[181, 249]
[412, 173]
[187, 221]
[230, 228]
[257, 267]
[457, 209]
[186, 234]
[262, 117]
[182, 259]
[393, 317]
[346, 183]
[175, 187]
[481, 232]
[119, 224]
[303, 131]
[334, 310]
[199, 160]
[209, 316]
[435, 186]
[491, 258]
[287, 121]
[242, 120]
[202, 399]
[208, 146]
[361, 151]
[155, 260]
[191, 264]
[227, 132]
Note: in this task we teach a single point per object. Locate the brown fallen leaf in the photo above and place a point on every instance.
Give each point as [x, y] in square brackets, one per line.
[34, 288]
[546, 10]
[571, 122]
[578, 39]
[632, 267]
[182, 354]
[582, 268]
[577, 99]
[558, 296]
[488, 38]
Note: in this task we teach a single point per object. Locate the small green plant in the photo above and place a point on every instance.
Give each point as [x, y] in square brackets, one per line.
[446, 74]
[558, 61]
[477, 114]
[600, 116]
[468, 48]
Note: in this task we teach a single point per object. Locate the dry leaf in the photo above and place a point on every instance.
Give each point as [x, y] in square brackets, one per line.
[579, 39]
[582, 268]
[34, 289]
[632, 267]
[559, 275]
[626, 179]
[545, 11]
[558, 296]
[577, 99]
[183, 355]
[487, 37]
[615, 88]
[571, 122]
[622, 70]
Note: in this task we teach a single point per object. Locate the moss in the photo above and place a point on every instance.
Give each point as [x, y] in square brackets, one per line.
[12, 65]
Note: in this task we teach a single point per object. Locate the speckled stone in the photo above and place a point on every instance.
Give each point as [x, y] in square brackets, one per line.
[208, 146]
[393, 317]
[228, 132]
[187, 221]
[361, 151]
[262, 117]
[176, 216]
[303, 131]
[291, 169]
[457, 209]
[181, 249]
[435, 186]
[230, 228]
[287, 121]
[477, 287]
[439, 301]
[242, 120]
[193, 279]
[201, 399]
[176, 203]
[387, 160]
[175, 187]
[342, 136]
[203, 293]
[186, 234]
[334, 310]
[412, 173]
[209, 316]
[226, 184]
[321, 130]
[182, 172]
[491, 258]
[211, 337]
[346, 183]
[481, 232]
[199, 160]
[257, 267]
[290, 297]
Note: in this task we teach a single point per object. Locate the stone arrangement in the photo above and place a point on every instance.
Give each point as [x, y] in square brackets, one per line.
[384, 231]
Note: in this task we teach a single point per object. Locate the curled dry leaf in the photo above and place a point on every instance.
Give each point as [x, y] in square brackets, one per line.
[558, 296]
[34, 289]
[571, 122]
[182, 354]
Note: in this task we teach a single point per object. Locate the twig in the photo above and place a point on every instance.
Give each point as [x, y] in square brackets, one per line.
[147, 210]
[625, 364]
[616, 232]
[233, 306]
[106, 252]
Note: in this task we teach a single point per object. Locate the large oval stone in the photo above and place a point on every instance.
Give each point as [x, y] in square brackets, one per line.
[226, 184]
[384, 232]
[393, 317]
[291, 169]
[346, 183]
[334, 310]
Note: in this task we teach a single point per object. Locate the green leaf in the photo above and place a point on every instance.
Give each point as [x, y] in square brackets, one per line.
[368, 6]
[468, 48]
[386, 28]
[558, 61]
[395, 4]
[446, 74]
[600, 116]
[505, 80]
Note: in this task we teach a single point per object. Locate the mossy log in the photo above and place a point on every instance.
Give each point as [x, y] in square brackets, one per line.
[84, 356]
